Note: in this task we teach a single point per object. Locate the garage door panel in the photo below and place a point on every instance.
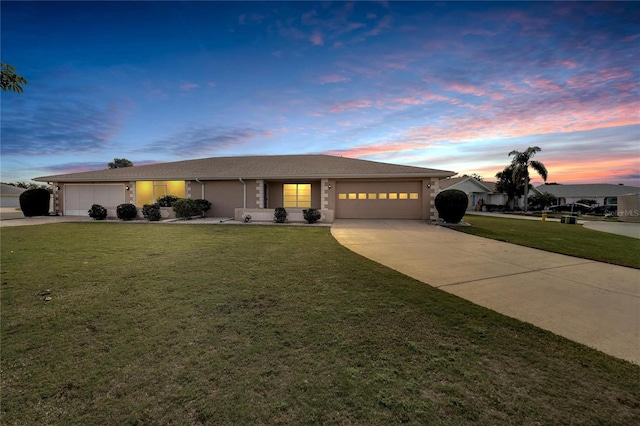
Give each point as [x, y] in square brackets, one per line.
[379, 200]
[78, 199]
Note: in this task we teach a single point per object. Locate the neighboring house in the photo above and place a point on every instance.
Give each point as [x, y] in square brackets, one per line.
[480, 193]
[10, 195]
[338, 187]
[603, 194]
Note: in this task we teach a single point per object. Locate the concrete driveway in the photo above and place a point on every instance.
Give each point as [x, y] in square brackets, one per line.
[592, 303]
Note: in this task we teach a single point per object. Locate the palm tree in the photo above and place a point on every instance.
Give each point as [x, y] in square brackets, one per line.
[520, 167]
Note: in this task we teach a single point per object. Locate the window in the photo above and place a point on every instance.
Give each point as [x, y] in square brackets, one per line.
[403, 196]
[393, 196]
[362, 196]
[296, 195]
[352, 196]
[382, 195]
[372, 196]
[413, 196]
[342, 196]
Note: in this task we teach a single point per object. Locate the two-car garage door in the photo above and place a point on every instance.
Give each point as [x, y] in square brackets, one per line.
[79, 198]
[379, 200]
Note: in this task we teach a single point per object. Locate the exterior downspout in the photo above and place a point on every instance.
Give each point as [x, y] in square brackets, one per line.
[201, 183]
[244, 198]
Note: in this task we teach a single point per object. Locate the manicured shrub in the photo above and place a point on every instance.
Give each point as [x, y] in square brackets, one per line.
[151, 212]
[202, 206]
[126, 211]
[280, 215]
[451, 205]
[184, 208]
[35, 202]
[167, 200]
[311, 215]
[98, 212]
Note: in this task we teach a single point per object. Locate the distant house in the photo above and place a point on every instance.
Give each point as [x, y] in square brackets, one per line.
[603, 194]
[480, 193]
[10, 195]
[338, 187]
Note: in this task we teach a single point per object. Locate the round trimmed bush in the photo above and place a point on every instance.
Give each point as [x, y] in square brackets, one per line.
[126, 211]
[451, 205]
[98, 212]
[167, 200]
[202, 206]
[35, 202]
[184, 208]
[280, 215]
[311, 215]
[151, 212]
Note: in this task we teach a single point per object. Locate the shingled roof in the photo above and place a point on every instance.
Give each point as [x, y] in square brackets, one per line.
[254, 167]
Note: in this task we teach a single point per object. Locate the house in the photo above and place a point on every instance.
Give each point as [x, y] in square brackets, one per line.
[603, 194]
[338, 187]
[10, 195]
[478, 192]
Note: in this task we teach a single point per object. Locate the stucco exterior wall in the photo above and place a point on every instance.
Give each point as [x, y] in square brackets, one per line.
[226, 195]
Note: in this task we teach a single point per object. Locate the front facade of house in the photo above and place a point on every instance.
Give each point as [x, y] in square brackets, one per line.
[338, 187]
[603, 194]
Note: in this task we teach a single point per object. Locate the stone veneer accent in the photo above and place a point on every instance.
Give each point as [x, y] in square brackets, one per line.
[259, 193]
[187, 189]
[433, 191]
[324, 194]
[56, 199]
[132, 192]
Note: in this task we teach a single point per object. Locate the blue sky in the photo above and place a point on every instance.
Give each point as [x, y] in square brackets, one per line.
[447, 85]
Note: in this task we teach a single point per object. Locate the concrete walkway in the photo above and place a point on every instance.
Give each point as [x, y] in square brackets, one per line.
[592, 303]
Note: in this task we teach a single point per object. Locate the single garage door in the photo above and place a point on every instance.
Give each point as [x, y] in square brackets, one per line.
[379, 200]
[79, 198]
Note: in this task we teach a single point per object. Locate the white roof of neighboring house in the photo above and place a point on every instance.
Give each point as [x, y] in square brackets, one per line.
[452, 183]
[10, 190]
[254, 167]
[588, 190]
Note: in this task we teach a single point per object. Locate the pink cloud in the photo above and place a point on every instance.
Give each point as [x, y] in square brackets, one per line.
[333, 78]
[352, 104]
[316, 39]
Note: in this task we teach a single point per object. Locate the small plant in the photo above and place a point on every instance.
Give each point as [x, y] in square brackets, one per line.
[126, 211]
[35, 202]
[311, 215]
[167, 200]
[202, 206]
[151, 212]
[280, 215]
[98, 212]
[246, 218]
[184, 208]
[451, 205]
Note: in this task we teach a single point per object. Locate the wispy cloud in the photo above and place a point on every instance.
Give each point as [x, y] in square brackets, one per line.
[205, 140]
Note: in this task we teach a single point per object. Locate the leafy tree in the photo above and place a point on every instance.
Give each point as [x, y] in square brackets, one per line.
[542, 200]
[507, 185]
[475, 176]
[29, 185]
[9, 80]
[520, 167]
[120, 163]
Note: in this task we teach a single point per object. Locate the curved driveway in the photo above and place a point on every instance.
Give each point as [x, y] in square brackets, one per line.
[592, 303]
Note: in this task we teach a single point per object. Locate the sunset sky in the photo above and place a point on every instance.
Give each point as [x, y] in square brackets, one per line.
[445, 85]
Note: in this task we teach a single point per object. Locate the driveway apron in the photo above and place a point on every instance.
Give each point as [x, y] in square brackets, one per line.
[590, 302]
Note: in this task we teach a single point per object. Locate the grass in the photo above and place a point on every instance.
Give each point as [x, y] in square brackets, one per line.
[202, 324]
[572, 240]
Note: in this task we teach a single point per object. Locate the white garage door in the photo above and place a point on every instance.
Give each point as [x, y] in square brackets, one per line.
[379, 200]
[79, 198]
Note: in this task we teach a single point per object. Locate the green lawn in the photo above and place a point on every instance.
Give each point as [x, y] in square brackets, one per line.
[572, 240]
[204, 324]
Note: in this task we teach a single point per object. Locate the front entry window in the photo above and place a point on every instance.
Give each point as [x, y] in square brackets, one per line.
[297, 195]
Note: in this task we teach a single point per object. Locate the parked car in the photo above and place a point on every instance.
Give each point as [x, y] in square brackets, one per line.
[572, 207]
